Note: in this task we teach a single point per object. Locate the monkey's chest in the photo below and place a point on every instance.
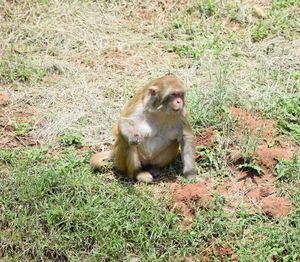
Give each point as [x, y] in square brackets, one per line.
[151, 147]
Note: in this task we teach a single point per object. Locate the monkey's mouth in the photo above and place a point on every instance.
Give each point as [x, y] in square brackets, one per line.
[178, 109]
[175, 111]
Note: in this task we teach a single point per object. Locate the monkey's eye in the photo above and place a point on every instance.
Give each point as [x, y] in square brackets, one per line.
[174, 95]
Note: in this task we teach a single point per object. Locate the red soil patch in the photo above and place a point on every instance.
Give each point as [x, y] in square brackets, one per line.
[275, 206]
[198, 194]
[250, 123]
[267, 156]
[8, 137]
[205, 138]
[222, 252]
[231, 27]
[257, 190]
[4, 99]
[225, 252]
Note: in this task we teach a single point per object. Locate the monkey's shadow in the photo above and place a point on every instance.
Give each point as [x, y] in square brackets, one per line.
[169, 173]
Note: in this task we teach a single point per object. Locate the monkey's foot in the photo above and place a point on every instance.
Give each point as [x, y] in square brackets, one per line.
[144, 177]
[190, 175]
[154, 172]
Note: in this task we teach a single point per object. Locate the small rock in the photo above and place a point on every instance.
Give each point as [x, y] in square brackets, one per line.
[4, 99]
[259, 12]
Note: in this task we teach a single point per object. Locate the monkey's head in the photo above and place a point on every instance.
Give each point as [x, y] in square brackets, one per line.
[166, 94]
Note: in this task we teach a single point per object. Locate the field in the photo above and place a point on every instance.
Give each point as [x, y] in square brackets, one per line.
[66, 70]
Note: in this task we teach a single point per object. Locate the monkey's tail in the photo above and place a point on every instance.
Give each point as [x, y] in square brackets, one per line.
[97, 160]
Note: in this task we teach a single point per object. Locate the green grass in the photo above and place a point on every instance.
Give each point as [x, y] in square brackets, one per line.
[77, 76]
[71, 138]
[18, 68]
[56, 208]
[21, 128]
[287, 113]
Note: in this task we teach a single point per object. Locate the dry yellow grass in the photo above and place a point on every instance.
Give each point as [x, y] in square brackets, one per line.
[96, 53]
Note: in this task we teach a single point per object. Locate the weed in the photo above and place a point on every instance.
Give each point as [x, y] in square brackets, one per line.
[288, 170]
[71, 138]
[285, 3]
[247, 161]
[208, 158]
[207, 8]
[250, 164]
[16, 68]
[287, 113]
[187, 51]
[21, 128]
[260, 32]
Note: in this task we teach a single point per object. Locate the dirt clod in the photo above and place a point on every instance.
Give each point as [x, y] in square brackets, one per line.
[4, 99]
[192, 193]
[275, 206]
[249, 122]
[205, 138]
[268, 156]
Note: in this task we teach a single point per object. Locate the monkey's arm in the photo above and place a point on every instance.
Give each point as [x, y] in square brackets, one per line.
[187, 152]
[129, 130]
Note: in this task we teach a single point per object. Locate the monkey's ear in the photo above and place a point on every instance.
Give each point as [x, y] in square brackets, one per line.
[153, 90]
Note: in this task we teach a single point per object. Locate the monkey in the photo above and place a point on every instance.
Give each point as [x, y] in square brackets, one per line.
[153, 128]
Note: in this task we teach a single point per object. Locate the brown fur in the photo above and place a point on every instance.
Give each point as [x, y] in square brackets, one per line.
[152, 127]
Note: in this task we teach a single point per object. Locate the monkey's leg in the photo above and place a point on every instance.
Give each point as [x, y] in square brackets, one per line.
[153, 170]
[128, 161]
[187, 156]
[133, 162]
[167, 155]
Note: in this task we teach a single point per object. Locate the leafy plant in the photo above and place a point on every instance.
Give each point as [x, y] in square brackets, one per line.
[289, 116]
[21, 128]
[260, 32]
[17, 68]
[187, 51]
[250, 163]
[207, 8]
[71, 138]
[288, 169]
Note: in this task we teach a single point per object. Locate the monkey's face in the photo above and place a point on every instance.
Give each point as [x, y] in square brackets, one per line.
[174, 102]
[166, 94]
[170, 102]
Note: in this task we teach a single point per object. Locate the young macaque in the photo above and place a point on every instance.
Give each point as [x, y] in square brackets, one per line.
[152, 128]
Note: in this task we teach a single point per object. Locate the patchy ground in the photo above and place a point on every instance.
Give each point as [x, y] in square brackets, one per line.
[15, 124]
[62, 87]
[253, 187]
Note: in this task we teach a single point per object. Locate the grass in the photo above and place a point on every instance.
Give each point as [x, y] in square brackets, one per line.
[75, 64]
[56, 208]
[71, 138]
[21, 128]
[17, 68]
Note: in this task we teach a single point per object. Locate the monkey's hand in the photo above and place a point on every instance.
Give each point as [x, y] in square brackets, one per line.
[134, 139]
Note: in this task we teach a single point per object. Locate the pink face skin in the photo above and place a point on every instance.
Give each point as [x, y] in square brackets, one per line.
[176, 102]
